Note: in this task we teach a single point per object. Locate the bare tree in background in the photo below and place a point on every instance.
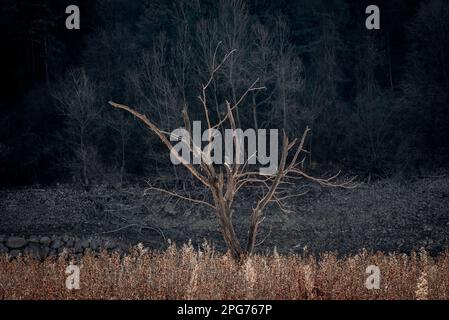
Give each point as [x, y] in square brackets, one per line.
[264, 49]
[370, 129]
[424, 103]
[75, 97]
[288, 77]
[231, 28]
[260, 63]
[320, 102]
[120, 125]
[157, 93]
[225, 181]
[233, 24]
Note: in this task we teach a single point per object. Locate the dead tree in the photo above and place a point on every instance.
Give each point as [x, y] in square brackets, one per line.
[75, 97]
[225, 181]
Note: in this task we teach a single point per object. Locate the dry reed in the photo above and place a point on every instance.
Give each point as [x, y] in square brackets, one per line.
[187, 273]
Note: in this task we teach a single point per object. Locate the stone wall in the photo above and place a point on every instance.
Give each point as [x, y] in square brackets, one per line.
[44, 246]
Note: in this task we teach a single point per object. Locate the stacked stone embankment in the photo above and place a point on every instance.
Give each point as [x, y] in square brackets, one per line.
[44, 246]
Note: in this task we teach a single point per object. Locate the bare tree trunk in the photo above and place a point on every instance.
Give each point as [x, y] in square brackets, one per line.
[390, 69]
[122, 167]
[256, 125]
[75, 98]
[234, 95]
[253, 229]
[284, 108]
[83, 151]
[47, 74]
[228, 232]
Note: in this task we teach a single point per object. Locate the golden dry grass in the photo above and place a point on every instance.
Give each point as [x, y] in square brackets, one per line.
[186, 273]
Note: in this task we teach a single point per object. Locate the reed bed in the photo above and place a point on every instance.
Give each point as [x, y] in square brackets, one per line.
[189, 273]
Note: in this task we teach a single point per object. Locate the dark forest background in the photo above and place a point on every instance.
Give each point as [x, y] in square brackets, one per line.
[377, 101]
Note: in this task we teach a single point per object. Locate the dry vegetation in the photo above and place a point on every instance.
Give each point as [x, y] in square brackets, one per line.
[185, 273]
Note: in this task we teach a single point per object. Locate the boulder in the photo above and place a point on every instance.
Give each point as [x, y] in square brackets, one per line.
[57, 244]
[94, 244]
[16, 242]
[85, 243]
[110, 245]
[123, 247]
[45, 240]
[78, 248]
[3, 249]
[15, 253]
[33, 239]
[69, 241]
[43, 252]
[33, 250]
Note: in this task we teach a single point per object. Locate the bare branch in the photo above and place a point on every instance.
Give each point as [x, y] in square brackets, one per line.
[179, 196]
[163, 138]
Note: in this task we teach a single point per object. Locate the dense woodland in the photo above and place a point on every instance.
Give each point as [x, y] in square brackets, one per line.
[377, 101]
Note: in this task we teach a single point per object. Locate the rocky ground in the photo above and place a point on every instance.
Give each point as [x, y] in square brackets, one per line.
[387, 215]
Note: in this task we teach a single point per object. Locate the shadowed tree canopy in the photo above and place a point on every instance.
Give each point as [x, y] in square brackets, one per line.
[376, 101]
